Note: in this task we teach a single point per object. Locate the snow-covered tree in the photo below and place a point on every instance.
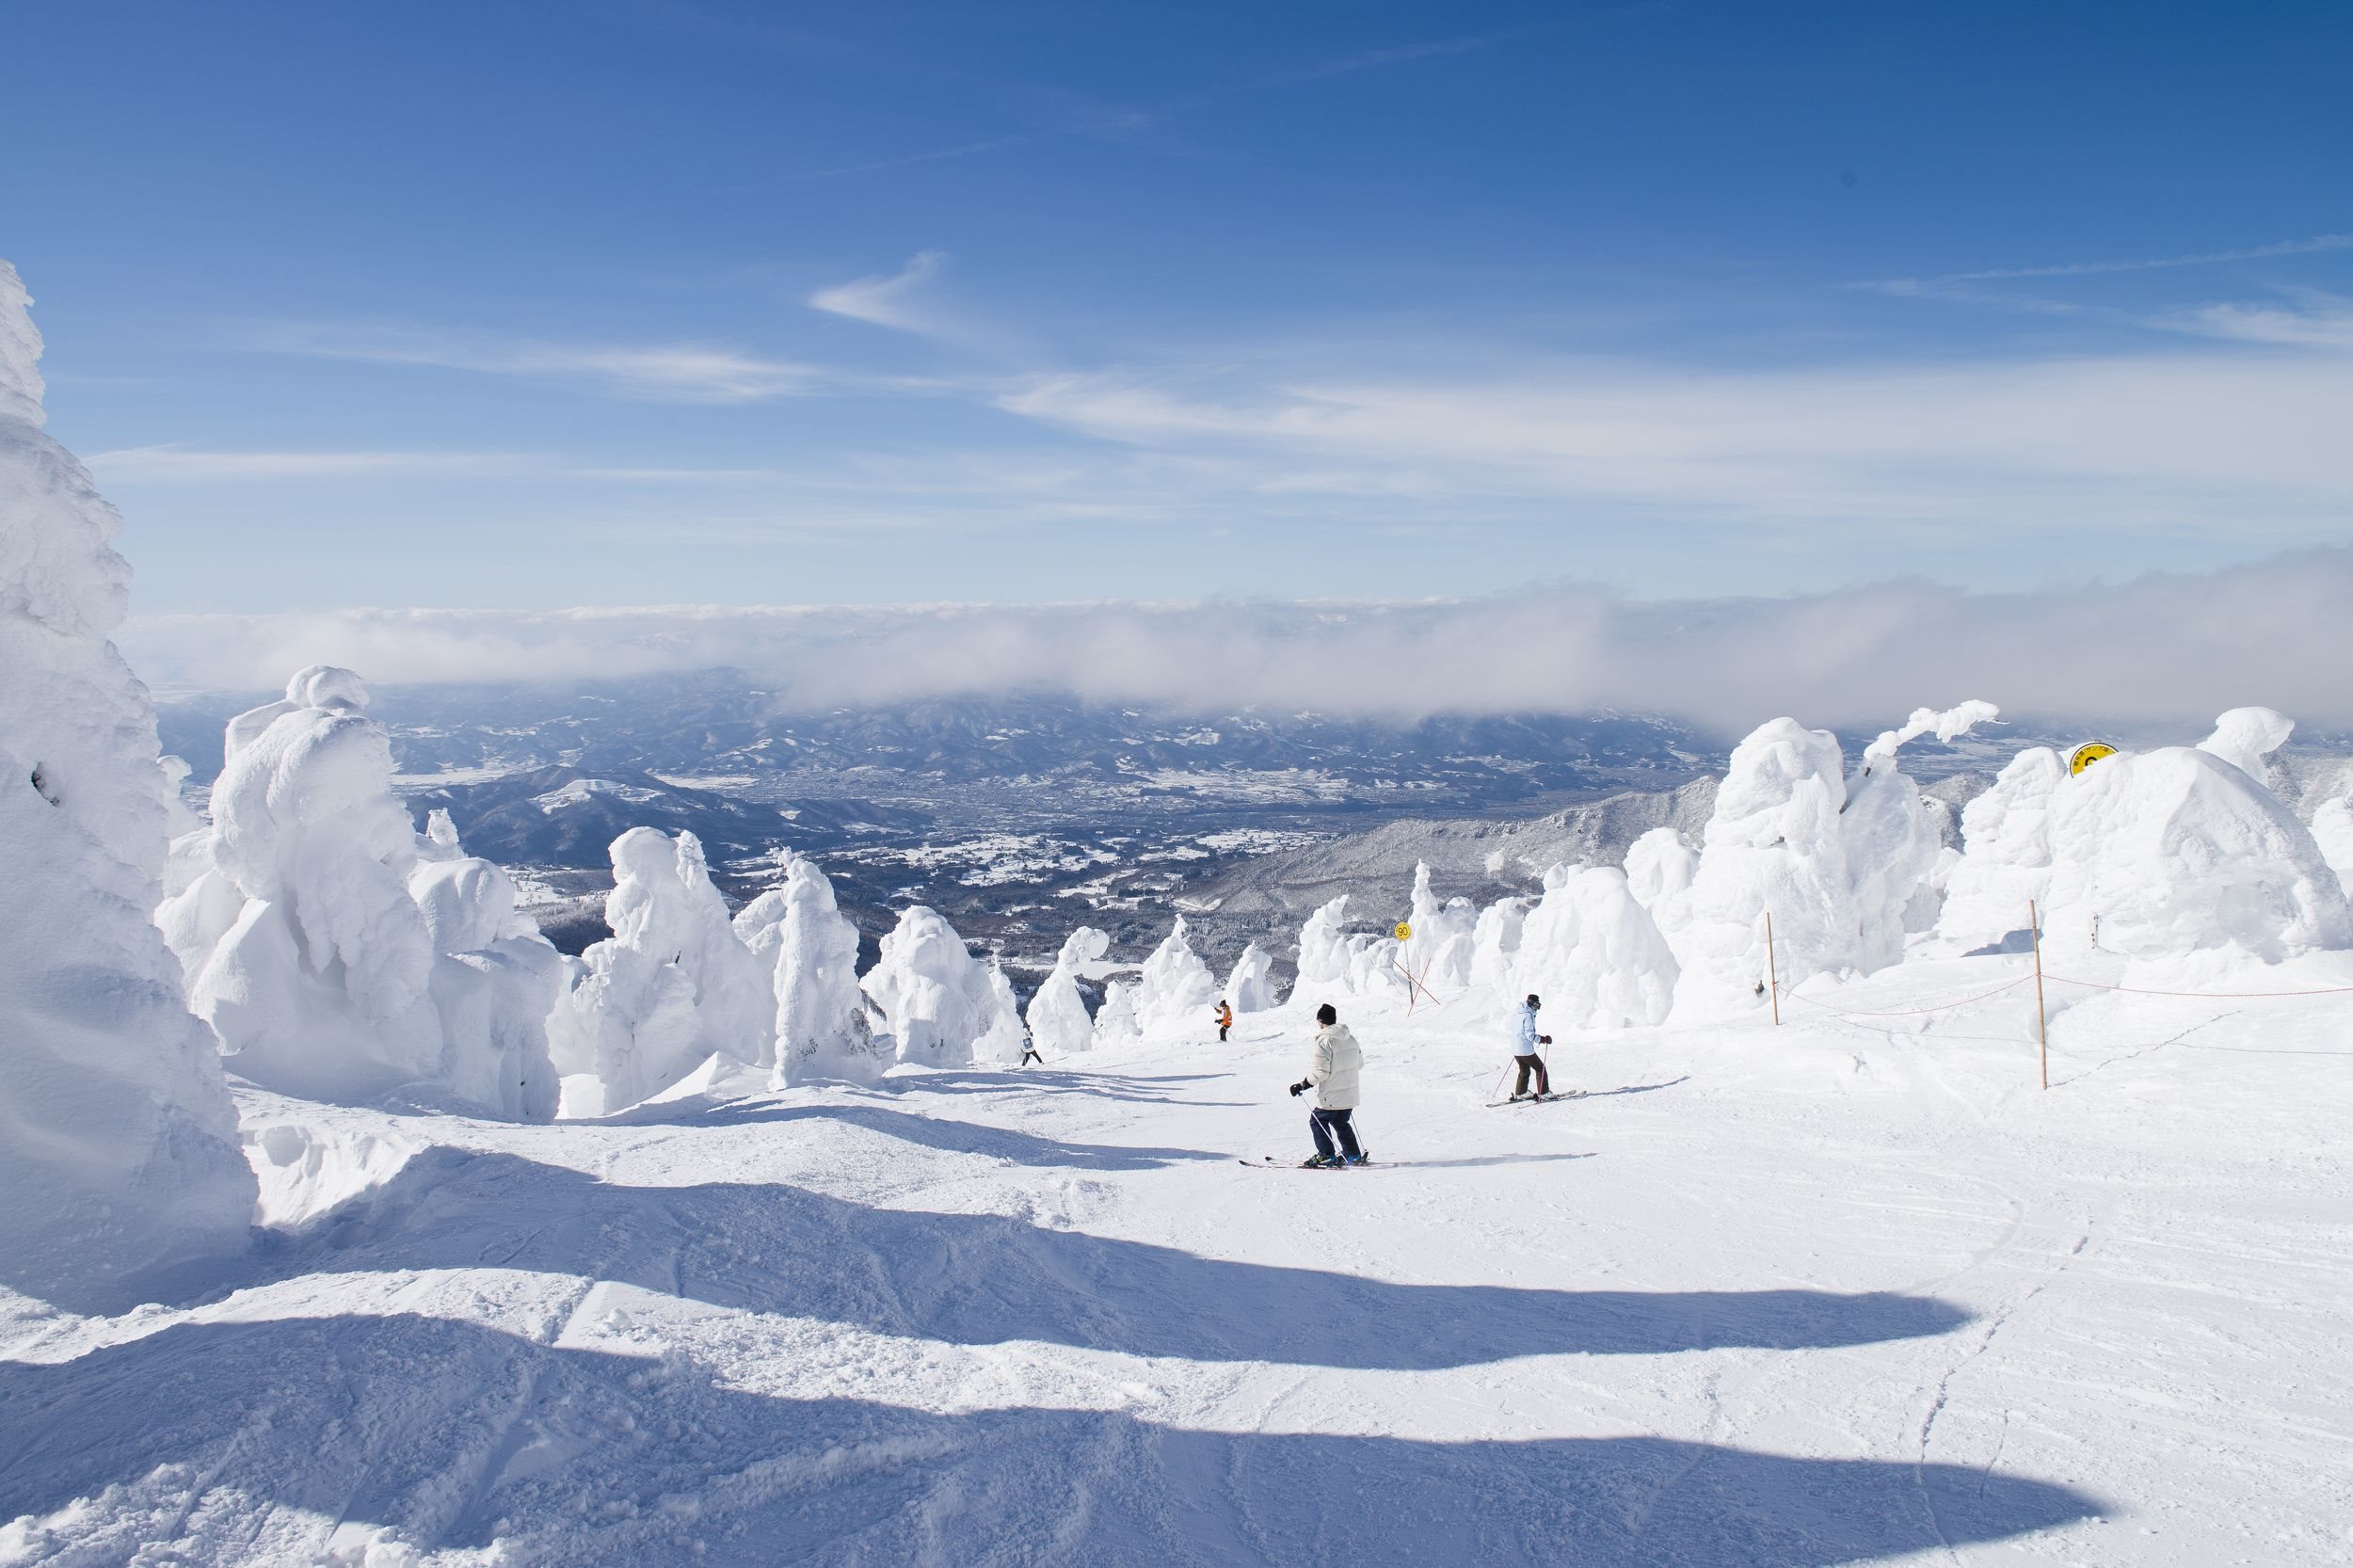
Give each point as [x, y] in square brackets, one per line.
[118, 1143]
[338, 952]
[937, 1001]
[1175, 988]
[670, 987]
[1058, 1013]
[810, 949]
[1593, 954]
[1774, 843]
[1249, 987]
[1439, 953]
[1115, 1021]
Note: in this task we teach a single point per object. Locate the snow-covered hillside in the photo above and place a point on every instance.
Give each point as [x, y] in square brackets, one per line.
[1848, 1290]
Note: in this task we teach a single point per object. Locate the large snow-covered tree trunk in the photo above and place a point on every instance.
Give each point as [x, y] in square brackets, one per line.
[117, 1141]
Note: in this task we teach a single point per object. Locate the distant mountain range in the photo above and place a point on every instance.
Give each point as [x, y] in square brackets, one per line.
[1020, 816]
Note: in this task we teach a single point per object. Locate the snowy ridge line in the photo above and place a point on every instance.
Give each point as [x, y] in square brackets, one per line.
[2202, 996]
[1910, 1011]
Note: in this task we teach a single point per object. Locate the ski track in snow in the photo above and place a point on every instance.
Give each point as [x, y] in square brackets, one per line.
[1822, 1294]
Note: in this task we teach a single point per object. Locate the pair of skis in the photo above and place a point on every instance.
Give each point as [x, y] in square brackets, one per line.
[1538, 1099]
[1272, 1163]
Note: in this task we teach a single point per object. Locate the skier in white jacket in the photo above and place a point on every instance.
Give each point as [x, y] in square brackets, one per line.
[1524, 1043]
[1332, 1073]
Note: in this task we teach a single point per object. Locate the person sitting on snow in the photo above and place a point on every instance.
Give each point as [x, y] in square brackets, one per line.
[1524, 1043]
[1225, 1019]
[1332, 1072]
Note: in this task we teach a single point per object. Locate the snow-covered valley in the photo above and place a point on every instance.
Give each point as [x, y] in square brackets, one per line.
[1844, 1291]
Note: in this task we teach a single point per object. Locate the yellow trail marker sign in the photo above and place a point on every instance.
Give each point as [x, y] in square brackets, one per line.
[2087, 754]
[1404, 931]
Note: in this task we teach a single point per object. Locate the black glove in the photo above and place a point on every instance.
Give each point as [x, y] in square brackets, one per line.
[1299, 1088]
[1543, 1039]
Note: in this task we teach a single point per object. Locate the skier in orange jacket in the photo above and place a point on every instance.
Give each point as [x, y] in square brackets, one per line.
[1225, 1019]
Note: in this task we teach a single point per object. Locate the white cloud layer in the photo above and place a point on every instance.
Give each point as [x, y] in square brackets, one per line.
[2162, 648]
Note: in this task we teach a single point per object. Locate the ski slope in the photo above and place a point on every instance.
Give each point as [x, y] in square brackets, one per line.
[1847, 1291]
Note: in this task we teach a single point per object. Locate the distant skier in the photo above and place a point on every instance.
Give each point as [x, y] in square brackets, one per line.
[1029, 1050]
[1225, 1019]
[1332, 1073]
[1524, 1043]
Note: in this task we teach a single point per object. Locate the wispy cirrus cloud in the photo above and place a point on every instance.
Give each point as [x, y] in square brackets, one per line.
[181, 464]
[887, 299]
[2313, 245]
[666, 373]
[2224, 443]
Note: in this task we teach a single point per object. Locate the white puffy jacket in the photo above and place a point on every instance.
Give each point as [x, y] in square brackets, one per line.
[1334, 1068]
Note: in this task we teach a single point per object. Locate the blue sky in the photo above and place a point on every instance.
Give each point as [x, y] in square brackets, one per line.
[640, 302]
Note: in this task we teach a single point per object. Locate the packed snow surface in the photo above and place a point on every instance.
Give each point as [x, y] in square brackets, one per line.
[1850, 1290]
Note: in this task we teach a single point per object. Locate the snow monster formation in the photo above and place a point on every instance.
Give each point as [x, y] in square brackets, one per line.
[1174, 987]
[1250, 986]
[118, 1142]
[338, 953]
[810, 950]
[2176, 853]
[670, 988]
[1058, 1013]
[939, 1005]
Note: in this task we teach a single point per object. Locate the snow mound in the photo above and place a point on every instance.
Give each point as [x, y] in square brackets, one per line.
[339, 954]
[937, 1003]
[670, 987]
[117, 1143]
[1058, 1013]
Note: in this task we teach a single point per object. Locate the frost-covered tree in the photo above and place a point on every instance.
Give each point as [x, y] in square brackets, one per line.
[1250, 986]
[1495, 940]
[1115, 1021]
[812, 951]
[937, 1001]
[118, 1143]
[1893, 837]
[2005, 854]
[1175, 988]
[1774, 843]
[1593, 954]
[1058, 1013]
[2175, 853]
[338, 953]
[1439, 953]
[670, 988]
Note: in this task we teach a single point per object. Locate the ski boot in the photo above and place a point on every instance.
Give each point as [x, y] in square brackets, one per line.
[1320, 1162]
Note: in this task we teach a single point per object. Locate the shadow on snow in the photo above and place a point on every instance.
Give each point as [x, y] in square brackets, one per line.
[456, 1434]
[981, 1279]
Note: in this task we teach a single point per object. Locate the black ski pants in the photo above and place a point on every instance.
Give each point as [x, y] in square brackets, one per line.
[1325, 1124]
[1533, 1065]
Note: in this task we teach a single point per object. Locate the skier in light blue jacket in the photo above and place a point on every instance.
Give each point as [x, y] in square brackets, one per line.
[1524, 1043]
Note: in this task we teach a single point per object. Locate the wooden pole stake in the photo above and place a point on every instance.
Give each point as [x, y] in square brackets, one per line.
[2041, 1019]
[1772, 968]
